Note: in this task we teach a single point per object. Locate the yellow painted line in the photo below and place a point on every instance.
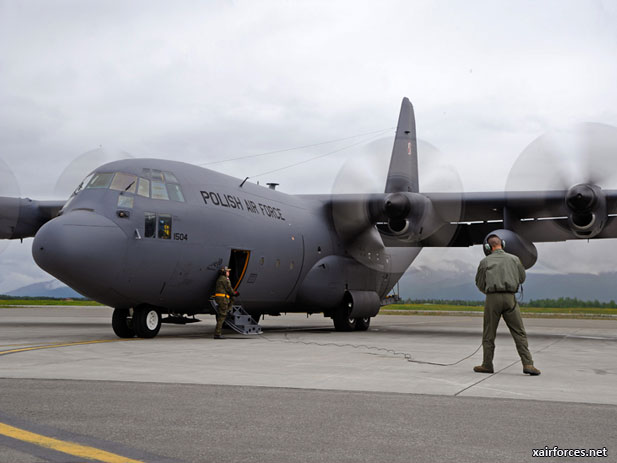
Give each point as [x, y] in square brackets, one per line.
[78, 450]
[68, 344]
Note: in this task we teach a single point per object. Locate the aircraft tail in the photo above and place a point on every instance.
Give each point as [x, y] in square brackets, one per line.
[403, 171]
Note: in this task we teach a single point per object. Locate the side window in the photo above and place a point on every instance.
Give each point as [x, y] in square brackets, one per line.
[125, 201]
[144, 188]
[175, 194]
[83, 184]
[150, 225]
[158, 190]
[164, 226]
[170, 178]
[159, 185]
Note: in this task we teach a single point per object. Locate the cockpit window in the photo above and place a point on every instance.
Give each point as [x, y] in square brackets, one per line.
[170, 178]
[126, 201]
[100, 180]
[158, 190]
[144, 188]
[175, 193]
[157, 175]
[157, 185]
[124, 182]
[83, 184]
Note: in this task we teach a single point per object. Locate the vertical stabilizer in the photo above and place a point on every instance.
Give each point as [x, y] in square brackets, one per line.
[403, 171]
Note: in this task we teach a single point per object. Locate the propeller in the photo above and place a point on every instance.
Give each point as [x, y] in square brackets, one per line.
[9, 204]
[560, 159]
[580, 161]
[362, 181]
[83, 165]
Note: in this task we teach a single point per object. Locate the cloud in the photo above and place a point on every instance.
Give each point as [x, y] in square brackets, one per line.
[201, 81]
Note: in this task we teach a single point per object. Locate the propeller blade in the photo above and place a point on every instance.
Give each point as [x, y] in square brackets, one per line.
[358, 204]
[9, 204]
[600, 151]
[571, 160]
[560, 159]
[437, 175]
[83, 165]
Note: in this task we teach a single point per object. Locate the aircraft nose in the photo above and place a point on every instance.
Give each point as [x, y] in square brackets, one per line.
[83, 249]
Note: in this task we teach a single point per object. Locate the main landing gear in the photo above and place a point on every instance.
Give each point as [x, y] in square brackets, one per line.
[143, 322]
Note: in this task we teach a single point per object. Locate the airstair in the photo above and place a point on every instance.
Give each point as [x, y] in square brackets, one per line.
[239, 320]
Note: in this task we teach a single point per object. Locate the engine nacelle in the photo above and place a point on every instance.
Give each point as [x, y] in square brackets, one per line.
[411, 216]
[398, 227]
[515, 244]
[587, 210]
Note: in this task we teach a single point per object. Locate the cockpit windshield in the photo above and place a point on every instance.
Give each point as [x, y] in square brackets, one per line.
[124, 182]
[155, 184]
[82, 185]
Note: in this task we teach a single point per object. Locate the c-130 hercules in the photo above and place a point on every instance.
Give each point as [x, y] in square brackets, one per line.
[148, 236]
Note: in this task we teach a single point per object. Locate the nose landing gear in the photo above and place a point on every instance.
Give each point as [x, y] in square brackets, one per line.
[143, 322]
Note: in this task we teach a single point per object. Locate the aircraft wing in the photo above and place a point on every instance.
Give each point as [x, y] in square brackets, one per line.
[583, 212]
[22, 217]
[406, 219]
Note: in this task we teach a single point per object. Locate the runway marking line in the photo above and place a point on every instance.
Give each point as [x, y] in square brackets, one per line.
[68, 344]
[71, 448]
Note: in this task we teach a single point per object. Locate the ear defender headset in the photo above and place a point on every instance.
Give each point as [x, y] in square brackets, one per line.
[487, 247]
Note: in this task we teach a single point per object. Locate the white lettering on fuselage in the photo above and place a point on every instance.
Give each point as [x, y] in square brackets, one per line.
[234, 202]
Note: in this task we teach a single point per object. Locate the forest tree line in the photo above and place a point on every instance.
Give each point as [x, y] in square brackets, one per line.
[562, 302]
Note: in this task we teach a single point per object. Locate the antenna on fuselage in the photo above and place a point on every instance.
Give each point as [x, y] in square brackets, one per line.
[243, 182]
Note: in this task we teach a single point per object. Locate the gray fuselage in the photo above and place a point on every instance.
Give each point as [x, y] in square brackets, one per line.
[285, 250]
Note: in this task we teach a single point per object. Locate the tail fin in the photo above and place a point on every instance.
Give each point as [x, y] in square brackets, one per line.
[403, 171]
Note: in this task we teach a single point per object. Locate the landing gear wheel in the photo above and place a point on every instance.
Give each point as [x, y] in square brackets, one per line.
[362, 324]
[122, 324]
[146, 322]
[341, 319]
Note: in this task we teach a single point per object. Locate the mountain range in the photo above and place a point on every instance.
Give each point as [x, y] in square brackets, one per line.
[425, 283]
[52, 288]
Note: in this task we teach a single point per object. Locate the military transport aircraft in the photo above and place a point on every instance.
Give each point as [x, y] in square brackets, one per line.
[148, 236]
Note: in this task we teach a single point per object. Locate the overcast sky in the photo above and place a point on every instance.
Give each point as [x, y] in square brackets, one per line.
[206, 81]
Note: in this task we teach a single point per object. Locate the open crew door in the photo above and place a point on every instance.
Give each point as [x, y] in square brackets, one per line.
[238, 262]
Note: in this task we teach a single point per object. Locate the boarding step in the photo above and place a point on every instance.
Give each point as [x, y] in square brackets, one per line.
[239, 320]
[391, 299]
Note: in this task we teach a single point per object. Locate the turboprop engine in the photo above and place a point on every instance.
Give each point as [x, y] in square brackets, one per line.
[586, 204]
[410, 216]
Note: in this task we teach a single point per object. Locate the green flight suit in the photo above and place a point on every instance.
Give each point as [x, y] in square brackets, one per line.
[499, 276]
[223, 293]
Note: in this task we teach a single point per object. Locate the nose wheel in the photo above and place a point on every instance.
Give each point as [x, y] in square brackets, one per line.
[122, 323]
[146, 322]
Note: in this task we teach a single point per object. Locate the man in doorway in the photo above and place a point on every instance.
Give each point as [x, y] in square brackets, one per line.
[223, 294]
[499, 276]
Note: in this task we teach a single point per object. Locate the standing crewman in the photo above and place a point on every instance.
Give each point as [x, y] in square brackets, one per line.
[223, 294]
[499, 276]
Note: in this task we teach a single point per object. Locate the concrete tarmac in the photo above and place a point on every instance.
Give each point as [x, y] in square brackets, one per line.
[403, 391]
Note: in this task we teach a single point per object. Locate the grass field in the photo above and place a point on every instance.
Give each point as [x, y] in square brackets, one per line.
[423, 308]
[393, 309]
